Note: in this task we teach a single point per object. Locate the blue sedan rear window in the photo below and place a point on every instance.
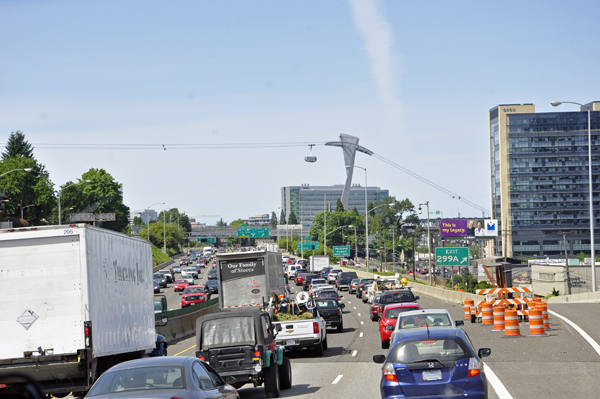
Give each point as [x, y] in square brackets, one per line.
[420, 350]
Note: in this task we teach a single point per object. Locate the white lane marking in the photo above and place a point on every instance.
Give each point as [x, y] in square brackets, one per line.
[589, 339]
[362, 322]
[354, 353]
[349, 302]
[361, 335]
[338, 378]
[498, 386]
[354, 307]
[359, 314]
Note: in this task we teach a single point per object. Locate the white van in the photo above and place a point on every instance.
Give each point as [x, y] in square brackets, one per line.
[207, 251]
[291, 270]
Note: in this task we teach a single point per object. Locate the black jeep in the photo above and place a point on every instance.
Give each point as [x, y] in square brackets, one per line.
[241, 344]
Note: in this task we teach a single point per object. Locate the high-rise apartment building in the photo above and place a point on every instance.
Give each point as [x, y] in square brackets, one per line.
[539, 178]
[307, 201]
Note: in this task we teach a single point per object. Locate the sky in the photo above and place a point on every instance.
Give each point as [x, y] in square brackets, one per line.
[414, 81]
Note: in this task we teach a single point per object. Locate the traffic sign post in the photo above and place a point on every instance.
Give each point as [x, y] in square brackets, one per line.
[341, 251]
[452, 256]
[308, 246]
[253, 232]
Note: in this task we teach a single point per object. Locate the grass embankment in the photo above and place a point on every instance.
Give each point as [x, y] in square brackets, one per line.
[158, 257]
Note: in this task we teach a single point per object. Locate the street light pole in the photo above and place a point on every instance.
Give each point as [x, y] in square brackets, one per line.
[16, 170]
[148, 208]
[355, 246]
[60, 195]
[592, 243]
[428, 242]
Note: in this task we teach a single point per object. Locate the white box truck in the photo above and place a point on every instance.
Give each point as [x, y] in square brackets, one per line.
[249, 279]
[75, 301]
[318, 262]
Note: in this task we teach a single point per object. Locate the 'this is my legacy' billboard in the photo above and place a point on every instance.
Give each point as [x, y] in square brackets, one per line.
[469, 228]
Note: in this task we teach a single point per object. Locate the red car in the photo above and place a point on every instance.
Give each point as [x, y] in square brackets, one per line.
[375, 308]
[192, 295]
[387, 321]
[301, 278]
[180, 285]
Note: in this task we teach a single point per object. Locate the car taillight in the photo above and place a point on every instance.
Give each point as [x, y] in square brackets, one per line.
[87, 330]
[202, 358]
[389, 373]
[474, 367]
[339, 312]
[315, 327]
[380, 308]
[256, 354]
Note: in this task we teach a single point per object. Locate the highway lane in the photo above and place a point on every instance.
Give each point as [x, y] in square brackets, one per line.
[560, 365]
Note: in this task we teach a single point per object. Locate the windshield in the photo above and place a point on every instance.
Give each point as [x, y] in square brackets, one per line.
[228, 332]
[193, 291]
[429, 349]
[327, 303]
[181, 282]
[395, 312]
[139, 379]
[396, 297]
[319, 281]
[212, 283]
[432, 320]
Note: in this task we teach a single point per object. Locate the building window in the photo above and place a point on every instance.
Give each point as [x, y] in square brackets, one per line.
[547, 276]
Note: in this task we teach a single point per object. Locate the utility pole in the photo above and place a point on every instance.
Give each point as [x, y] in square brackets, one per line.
[564, 234]
[393, 248]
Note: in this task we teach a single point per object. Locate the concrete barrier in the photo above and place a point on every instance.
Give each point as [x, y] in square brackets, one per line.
[584, 297]
[434, 292]
[182, 327]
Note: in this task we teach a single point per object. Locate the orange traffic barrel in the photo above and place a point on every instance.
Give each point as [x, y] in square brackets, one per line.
[487, 313]
[468, 304]
[498, 318]
[511, 323]
[536, 323]
[544, 309]
[473, 314]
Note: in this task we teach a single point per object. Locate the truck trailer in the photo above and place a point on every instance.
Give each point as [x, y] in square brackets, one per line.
[76, 300]
[249, 279]
[318, 262]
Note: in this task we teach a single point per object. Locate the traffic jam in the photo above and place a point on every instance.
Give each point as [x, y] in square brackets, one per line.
[424, 352]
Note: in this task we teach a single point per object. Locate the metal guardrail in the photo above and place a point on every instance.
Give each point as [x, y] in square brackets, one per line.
[162, 266]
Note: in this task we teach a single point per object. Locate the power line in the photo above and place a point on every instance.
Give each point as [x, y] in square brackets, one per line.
[430, 183]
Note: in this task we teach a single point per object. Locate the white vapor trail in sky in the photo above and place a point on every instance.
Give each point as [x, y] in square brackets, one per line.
[377, 34]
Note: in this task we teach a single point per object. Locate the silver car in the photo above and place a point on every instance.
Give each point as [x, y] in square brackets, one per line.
[424, 317]
[163, 377]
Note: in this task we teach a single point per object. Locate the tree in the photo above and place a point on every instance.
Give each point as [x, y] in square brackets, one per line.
[158, 232]
[273, 219]
[282, 217]
[293, 219]
[174, 216]
[221, 223]
[339, 207]
[26, 188]
[101, 195]
[138, 221]
[237, 223]
[17, 145]
[355, 210]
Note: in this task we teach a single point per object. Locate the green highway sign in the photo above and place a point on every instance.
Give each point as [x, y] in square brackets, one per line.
[340, 251]
[253, 232]
[308, 246]
[210, 240]
[452, 256]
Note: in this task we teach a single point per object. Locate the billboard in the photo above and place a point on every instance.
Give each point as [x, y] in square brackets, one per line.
[478, 228]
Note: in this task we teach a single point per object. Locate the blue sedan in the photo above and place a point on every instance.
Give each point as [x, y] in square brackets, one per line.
[430, 363]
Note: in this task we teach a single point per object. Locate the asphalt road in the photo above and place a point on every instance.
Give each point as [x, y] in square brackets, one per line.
[174, 298]
[563, 364]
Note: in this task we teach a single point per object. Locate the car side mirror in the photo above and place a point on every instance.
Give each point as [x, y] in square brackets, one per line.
[230, 380]
[380, 359]
[278, 327]
[417, 298]
[484, 352]
[342, 305]
[459, 323]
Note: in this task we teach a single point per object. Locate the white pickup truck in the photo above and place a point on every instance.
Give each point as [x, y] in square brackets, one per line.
[303, 334]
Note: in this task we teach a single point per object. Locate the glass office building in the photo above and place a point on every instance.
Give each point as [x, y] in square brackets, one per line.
[307, 201]
[540, 179]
